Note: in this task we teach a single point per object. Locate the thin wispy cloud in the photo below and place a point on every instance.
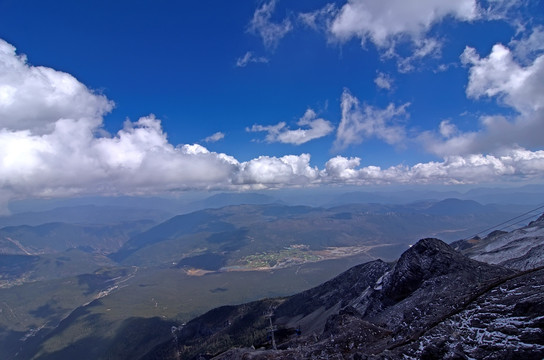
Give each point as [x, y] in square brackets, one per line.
[249, 58]
[526, 48]
[214, 137]
[312, 128]
[262, 25]
[319, 19]
[360, 122]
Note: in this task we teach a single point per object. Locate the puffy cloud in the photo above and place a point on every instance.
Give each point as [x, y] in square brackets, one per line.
[385, 22]
[249, 58]
[342, 168]
[500, 75]
[214, 137]
[62, 151]
[35, 97]
[270, 32]
[268, 171]
[520, 87]
[316, 128]
[514, 164]
[71, 160]
[363, 122]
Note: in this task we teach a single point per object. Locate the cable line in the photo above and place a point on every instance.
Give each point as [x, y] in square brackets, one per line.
[509, 220]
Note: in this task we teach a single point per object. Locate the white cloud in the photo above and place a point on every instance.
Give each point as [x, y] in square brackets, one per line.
[447, 129]
[71, 160]
[70, 157]
[383, 81]
[266, 171]
[319, 19]
[526, 48]
[500, 77]
[422, 48]
[63, 152]
[363, 122]
[139, 160]
[341, 168]
[315, 129]
[35, 97]
[515, 164]
[270, 32]
[511, 11]
[384, 22]
[249, 58]
[215, 137]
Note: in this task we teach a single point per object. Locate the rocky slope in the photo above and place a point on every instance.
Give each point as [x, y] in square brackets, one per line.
[520, 249]
[433, 303]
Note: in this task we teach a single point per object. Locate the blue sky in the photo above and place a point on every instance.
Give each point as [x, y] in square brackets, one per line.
[141, 97]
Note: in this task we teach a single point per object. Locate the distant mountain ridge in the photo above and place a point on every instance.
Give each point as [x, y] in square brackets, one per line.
[57, 237]
[84, 214]
[232, 233]
[105, 228]
[228, 199]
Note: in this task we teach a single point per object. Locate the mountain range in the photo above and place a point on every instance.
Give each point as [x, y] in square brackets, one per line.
[124, 286]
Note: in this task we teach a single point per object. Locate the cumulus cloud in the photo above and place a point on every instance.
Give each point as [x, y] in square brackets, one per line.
[270, 32]
[62, 150]
[34, 97]
[498, 76]
[214, 137]
[386, 22]
[511, 11]
[72, 160]
[249, 58]
[266, 171]
[315, 128]
[363, 122]
[514, 164]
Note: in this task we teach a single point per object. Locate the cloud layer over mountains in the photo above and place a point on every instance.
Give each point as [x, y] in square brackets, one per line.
[52, 140]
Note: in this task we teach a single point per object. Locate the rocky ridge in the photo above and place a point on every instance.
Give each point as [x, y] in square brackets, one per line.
[520, 249]
[434, 302]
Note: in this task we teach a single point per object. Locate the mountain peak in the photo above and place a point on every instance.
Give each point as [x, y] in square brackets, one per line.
[428, 258]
